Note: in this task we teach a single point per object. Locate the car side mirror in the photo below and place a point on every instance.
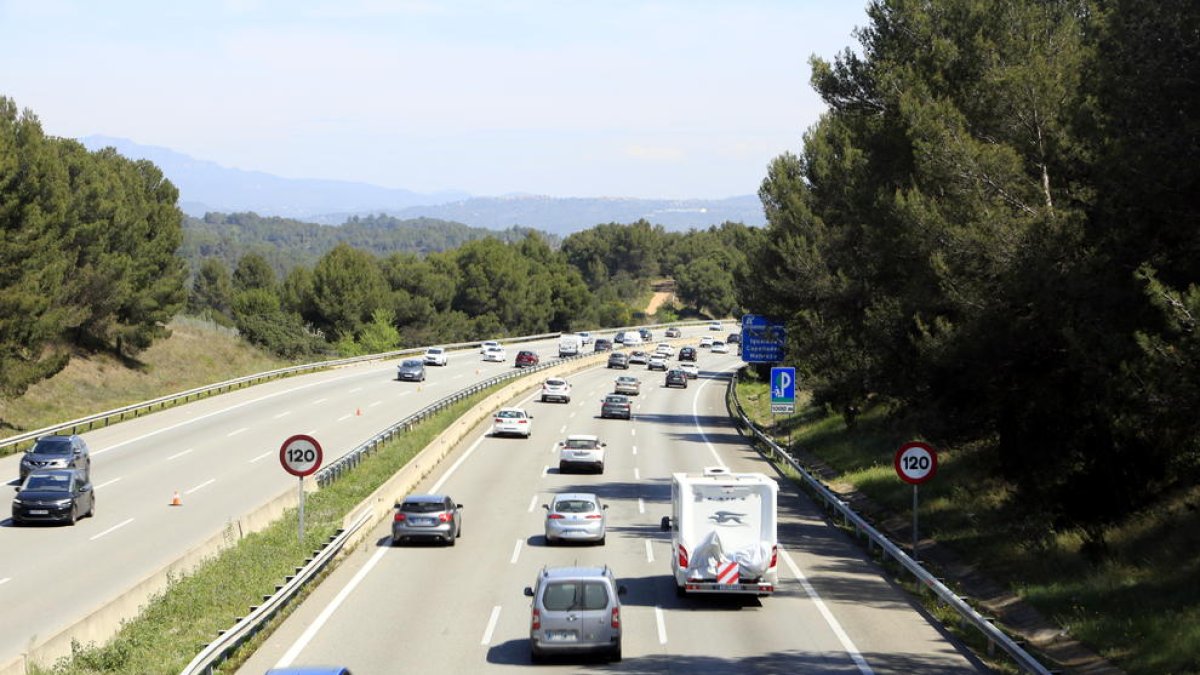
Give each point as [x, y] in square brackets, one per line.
[17, 489]
[528, 592]
[546, 506]
[666, 523]
[621, 590]
[458, 506]
[605, 507]
[87, 487]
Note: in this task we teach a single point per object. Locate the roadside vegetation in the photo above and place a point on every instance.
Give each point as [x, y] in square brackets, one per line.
[176, 624]
[1139, 607]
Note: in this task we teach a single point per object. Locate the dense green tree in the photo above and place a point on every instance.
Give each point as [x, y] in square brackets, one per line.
[348, 287]
[253, 271]
[212, 291]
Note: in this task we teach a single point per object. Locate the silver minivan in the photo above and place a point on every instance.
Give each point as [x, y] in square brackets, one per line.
[575, 610]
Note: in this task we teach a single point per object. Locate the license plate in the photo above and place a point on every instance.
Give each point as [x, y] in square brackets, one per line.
[729, 587]
[580, 454]
[560, 635]
[422, 521]
[39, 512]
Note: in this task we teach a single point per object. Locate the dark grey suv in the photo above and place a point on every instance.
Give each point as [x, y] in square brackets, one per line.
[56, 495]
[57, 452]
[618, 360]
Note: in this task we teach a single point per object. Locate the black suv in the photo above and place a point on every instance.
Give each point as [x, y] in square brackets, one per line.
[687, 354]
[602, 345]
[733, 338]
[57, 452]
[618, 360]
[676, 378]
[55, 495]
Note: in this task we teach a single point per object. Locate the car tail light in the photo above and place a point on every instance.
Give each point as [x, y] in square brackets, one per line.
[535, 621]
[616, 617]
[595, 516]
[444, 517]
[522, 421]
[774, 556]
[497, 421]
[555, 516]
[683, 556]
[399, 517]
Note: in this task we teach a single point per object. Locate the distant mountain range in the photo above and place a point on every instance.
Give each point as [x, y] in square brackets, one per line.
[206, 186]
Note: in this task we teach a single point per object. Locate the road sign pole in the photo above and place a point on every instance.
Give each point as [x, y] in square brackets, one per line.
[301, 487]
[914, 549]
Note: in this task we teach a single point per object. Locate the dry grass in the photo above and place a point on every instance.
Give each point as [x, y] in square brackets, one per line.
[197, 353]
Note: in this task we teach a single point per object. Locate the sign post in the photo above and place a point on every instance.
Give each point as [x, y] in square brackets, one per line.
[915, 463]
[301, 456]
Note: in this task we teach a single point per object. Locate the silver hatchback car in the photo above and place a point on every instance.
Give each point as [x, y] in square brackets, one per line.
[575, 610]
[575, 516]
[435, 517]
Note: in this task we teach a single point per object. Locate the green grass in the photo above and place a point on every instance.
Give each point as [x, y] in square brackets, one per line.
[1140, 608]
[176, 624]
[197, 353]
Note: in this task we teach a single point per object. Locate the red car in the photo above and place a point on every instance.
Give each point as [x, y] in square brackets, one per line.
[526, 358]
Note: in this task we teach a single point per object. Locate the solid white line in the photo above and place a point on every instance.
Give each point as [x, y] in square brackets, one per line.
[516, 552]
[662, 625]
[487, 633]
[205, 484]
[311, 632]
[842, 637]
[642, 508]
[262, 456]
[105, 484]
[235, 432]
[375, 404]
[649, 553]
[696, 420]
[94, 537]
[345, 417]
[437, 487]
[532, 503]
[283, 414]
[180, 454]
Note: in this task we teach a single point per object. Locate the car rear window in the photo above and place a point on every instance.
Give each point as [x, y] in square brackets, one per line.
[574, 506]
[561, 596]
[55, 446]
[615, 399]
[422, 507]
[579, 443]
[556, 383]
[510, 414]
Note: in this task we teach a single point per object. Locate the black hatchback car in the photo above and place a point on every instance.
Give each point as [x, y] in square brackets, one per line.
[55, 495]
[57, 452]
[687, 354]
[676, 378]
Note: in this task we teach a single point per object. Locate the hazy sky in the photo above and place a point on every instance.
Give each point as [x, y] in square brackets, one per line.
[686, 98]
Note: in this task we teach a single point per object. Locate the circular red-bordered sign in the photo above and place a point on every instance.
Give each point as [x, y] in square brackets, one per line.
[300, 455]
[916, 462]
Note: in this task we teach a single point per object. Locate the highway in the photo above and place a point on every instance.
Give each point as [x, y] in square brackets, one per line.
[221, 455]
[461, 609]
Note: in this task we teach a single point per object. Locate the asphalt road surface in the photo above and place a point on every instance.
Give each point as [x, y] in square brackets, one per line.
[435, 609]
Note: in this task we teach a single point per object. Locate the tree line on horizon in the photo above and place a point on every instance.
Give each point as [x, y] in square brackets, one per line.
[993, 234]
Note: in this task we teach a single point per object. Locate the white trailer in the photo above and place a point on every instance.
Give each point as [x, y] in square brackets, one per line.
[569, 345]
[723, 532]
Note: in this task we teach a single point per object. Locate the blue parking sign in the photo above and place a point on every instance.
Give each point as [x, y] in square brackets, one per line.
[783, 390]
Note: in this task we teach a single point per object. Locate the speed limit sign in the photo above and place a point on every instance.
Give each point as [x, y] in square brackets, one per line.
[300, 455]
[916, 462]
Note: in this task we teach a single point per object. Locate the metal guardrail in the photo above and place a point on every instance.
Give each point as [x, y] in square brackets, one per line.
[119, 414]
[1023, 659]
[217, 651]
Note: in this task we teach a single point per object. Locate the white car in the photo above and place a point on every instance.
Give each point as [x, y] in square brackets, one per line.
[512, 422]
[581, 451]
[585, 338]
[489, 344]
[690, 370]
[715, 325]
[665, 349]
[556, 389]
[496, 354]
[657, 362]
[719, 347]
[435, 356]
[706, 341]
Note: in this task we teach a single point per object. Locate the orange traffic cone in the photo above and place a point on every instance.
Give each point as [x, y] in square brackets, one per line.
[176, 501]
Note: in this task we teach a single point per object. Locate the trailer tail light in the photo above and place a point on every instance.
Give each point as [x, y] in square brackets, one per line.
[683, 556]
[774, 556]
[535, 621]
[616, 617]
[399, 517]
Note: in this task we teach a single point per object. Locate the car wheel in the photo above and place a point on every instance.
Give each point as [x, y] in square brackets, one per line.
[73, 517]
[680, 591]
[615, 654]
[602, 539]
[536, 656]
[543, 399]
[450, 541]
[562, 468]
[395, 540]
[600, 469]
[92, 509]
[567, 400]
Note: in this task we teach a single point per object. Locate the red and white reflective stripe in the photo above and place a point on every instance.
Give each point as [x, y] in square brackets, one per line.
[727, 573]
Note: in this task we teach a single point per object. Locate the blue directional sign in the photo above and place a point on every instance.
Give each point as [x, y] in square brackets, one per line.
[763, 343]
[783, 390]
[754, 321]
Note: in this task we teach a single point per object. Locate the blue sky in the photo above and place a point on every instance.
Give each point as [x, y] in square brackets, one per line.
[675, 99]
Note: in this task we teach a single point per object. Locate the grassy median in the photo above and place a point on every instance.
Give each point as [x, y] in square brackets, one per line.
[176, 624]
[1138, 607]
